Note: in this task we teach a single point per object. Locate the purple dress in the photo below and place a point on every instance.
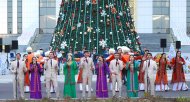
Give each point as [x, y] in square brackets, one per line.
[101, 84]
[35, 83]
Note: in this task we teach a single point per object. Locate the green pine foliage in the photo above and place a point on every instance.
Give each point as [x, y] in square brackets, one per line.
[94, 24]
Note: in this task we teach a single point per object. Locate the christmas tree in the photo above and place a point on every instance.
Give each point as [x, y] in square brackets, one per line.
[94, 24]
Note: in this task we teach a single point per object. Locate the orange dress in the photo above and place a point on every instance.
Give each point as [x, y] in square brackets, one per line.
[39, 60]
[178, 73]
[110, 57]
[141, 74]
[29, 60]
[125, 59]
[161, 75]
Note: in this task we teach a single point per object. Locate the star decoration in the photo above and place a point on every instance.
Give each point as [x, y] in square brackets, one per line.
[128, 41]
[103, 13]
[137, 37]
[62, 16]
[63, 44]
[121, 13]
[88, 2]
[53, 39]
[102, 43]
[73, 28]
[79, 25]
[98, 30]
[111, 5]
[89, 29]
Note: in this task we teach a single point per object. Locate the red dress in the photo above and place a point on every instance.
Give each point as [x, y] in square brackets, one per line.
[178, 73]
[141, 74]
[161, 75]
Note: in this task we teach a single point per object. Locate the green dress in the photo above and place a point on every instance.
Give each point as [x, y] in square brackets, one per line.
[132, 80]
[70, 71]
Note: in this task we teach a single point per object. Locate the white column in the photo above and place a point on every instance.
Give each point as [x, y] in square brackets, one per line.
[144, 16]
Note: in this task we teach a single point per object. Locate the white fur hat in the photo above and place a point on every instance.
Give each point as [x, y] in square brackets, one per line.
[41, 52]
[119, 47]
[29, 49]
[47, 53]
[125, 49]
[37, 54]
[111, 51]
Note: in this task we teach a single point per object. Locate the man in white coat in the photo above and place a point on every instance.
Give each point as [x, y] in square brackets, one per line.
[149, 77]
[116, 67]
[18, 68]
[51, 71]
[87, 64]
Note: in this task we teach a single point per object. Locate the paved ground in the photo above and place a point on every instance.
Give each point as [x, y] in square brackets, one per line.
[6, 89]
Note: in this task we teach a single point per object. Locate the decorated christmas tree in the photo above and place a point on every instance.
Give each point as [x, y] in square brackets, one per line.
[94, 24]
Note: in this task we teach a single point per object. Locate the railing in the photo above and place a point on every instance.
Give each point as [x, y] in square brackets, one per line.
[37, 30]
[171, 32]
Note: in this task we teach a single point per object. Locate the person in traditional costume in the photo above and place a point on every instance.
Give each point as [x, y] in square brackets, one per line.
[106, 52]
[132, 67]
[141, 73]
[87, 65]
[125, 59]
[70, 70]
[29, 60]
[108, 59]
[161, 81]
[111, 55]
[79, 79]
[35, 82]
[116, 67]
[148, 68]
[51, 67]
[102, 70]
[45, 59]
[178, 76]
[39, 58]
[18, 68]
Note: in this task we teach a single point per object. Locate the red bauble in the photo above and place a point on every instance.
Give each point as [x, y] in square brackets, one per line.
[118, 17]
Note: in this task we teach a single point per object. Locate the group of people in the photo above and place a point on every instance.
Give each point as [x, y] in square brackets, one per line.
[27, 73]
[134, 70]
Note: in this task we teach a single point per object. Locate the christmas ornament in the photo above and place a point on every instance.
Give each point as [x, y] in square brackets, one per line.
[113, 10]
[98, 30]
[128, 41]
[121, 13]
[63, 45]
[89, 29]
[103, 13]
[137, 37]
[107, 6]
[111, 5]
[62, 32]
[102, 43]
[88, 2]
[79, 25]
[93, 1]
[73, 28]
[62, 16]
